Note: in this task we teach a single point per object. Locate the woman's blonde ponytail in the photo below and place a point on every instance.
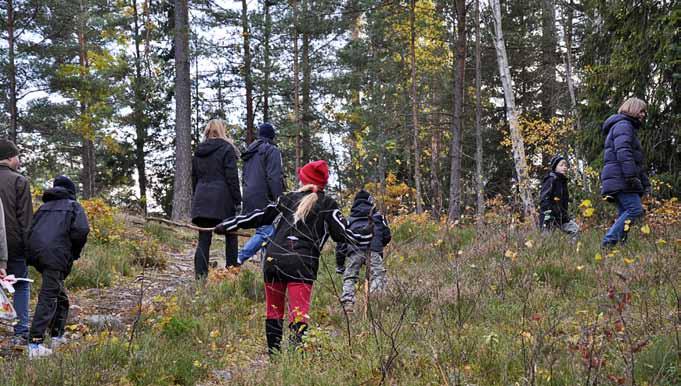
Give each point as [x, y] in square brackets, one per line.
[306, 204]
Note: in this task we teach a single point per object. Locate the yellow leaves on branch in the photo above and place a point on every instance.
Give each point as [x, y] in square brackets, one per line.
[587, 208]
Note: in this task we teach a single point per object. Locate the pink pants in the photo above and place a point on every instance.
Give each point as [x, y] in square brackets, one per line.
[299, 295]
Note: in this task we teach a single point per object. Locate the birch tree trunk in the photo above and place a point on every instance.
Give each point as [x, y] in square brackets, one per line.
[12, 73]
[138, 113]
[517, 143]
[182, 186]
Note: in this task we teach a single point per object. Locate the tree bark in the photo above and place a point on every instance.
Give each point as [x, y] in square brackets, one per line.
[568, 65]
[296, 85]
[457, 121]
[268, 63]
[182, 184]
[12, 73]
[88, 173]
[414, 108]
[517, 143]
[549, 62]
[480, 202]
[250, 129]
[306, 118]
[435, 166]
[138, 114]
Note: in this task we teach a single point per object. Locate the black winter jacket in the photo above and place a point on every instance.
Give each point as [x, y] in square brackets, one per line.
[554, 200]
[15, 193]
[293, 253]
[359, 219]
[215, 181]
[263, 179]
[623, 170]
[58, 233]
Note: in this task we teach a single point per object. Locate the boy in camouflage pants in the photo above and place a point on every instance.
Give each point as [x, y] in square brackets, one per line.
[349, 259]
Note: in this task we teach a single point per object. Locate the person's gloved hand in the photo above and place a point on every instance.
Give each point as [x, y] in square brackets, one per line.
[220, 229]
[634, 184]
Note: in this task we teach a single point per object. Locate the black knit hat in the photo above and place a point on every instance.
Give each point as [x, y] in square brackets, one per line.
[555, 161]
[66, 183]
[362, 195]
[266, 130]
[7, 149]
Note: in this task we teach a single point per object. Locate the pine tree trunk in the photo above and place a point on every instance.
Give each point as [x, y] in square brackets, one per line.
[296, 86]
[435, 166]
[140, 121]
[183, 167]
[414, 109]
[12, 73]
[250, 129]
[306, 118]
[480, 202]
[549, 91]
[88, 174]
[268, 64]
[517, 143]
[457, 124]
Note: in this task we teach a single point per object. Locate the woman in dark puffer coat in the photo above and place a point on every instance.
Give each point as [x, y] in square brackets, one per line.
[215, 181]
[623, 178]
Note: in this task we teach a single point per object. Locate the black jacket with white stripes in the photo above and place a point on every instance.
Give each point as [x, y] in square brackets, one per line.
[293, 253]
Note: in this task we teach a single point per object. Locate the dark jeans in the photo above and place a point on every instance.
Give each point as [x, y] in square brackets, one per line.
[202, 255]
[52, 308]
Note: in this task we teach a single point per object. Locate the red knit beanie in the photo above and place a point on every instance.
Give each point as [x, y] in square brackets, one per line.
[315, 173]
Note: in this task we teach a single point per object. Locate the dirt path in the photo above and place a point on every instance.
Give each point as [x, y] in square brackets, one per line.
[117, 305]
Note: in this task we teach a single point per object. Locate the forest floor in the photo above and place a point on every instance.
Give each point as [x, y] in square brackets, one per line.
[496, 305]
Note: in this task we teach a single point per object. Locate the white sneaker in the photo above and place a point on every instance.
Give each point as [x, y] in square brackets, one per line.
[37, 351]
[58, 341]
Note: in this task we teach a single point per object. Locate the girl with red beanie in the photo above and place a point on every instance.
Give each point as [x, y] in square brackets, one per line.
[307, 218]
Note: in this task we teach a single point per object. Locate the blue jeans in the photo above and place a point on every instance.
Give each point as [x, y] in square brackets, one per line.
[255, 243]
[629, 207]
[22, 296]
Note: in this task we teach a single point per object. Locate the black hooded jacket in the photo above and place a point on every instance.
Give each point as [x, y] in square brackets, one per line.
[293, 253]
[263, 179]
[554, 200]
[359, 219]
[215, 181]
[58, 233]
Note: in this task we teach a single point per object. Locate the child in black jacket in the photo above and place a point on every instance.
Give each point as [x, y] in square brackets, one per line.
[57, 237]
[363, 212]
[307, 218]
[554, 199]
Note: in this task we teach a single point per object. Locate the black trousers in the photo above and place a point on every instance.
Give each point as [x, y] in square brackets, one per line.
[202, 255]
[52, 309]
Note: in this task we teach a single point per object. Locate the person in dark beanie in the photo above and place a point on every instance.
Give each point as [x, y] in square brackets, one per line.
[263, 183]
[215, 181]
[554, 199]
[362, 214]
[15, 193]
[623, 178]
[57, 237]
[307, 218]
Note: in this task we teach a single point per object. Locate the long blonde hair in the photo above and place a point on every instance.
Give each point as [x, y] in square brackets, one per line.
[217, 129]
[307, 203]
[632, 107]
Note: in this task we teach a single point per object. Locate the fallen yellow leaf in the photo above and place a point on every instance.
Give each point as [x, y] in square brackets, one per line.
[645, 229]
[598, 257]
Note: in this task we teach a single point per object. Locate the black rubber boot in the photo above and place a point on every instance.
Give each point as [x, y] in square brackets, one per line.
[297, 333]
[274, 331]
